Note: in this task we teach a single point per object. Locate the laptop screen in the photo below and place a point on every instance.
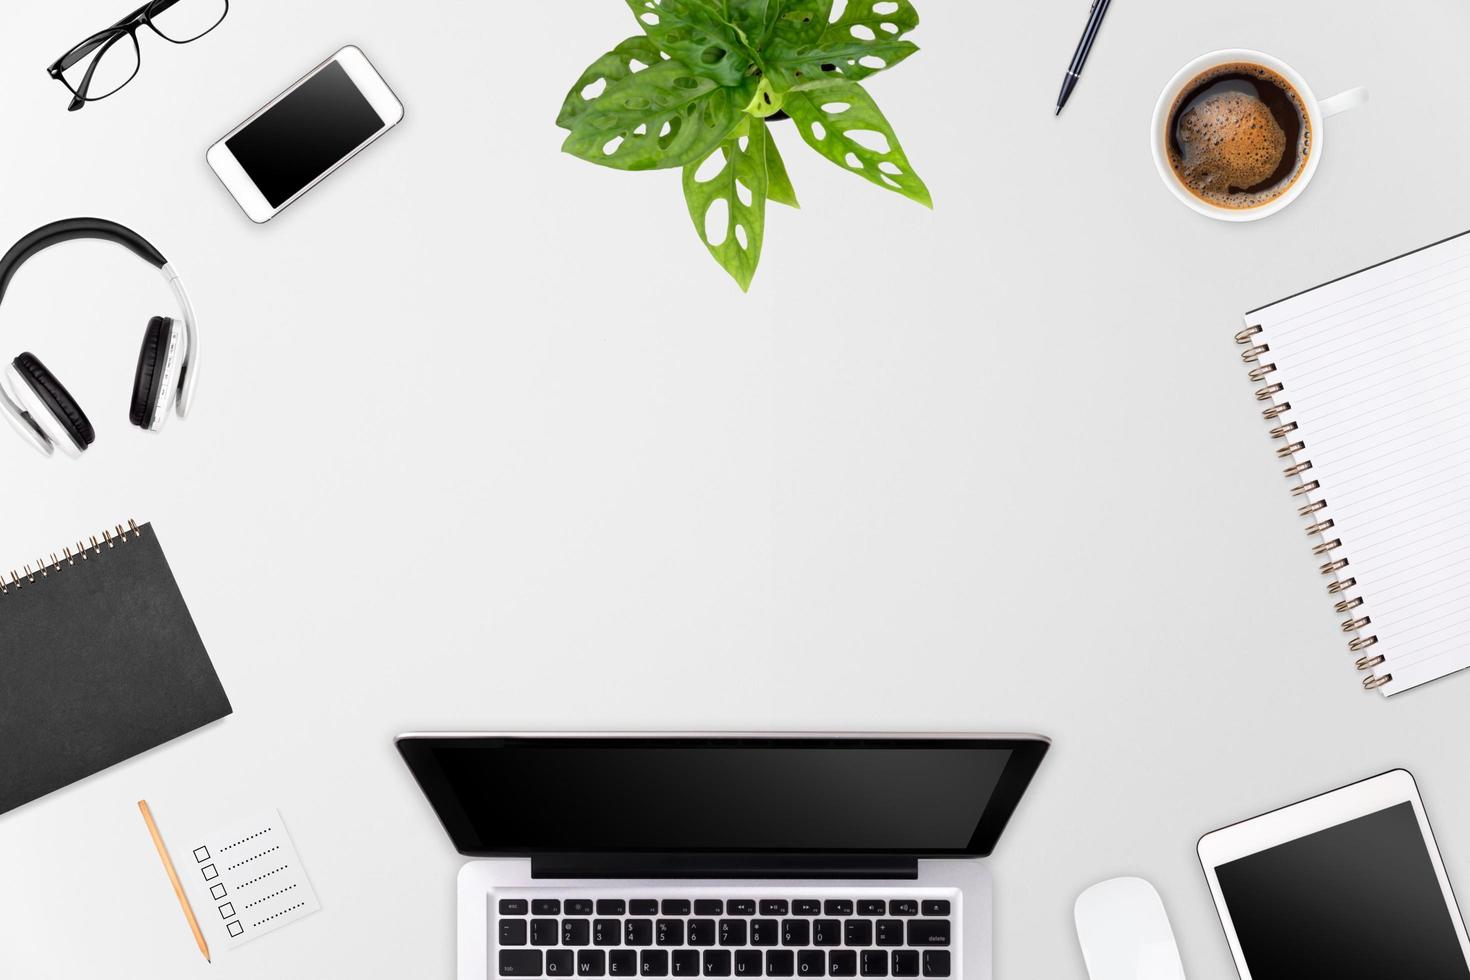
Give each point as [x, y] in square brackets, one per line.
[527, 795]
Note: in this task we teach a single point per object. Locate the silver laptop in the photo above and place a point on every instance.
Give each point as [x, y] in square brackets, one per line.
[728, 856]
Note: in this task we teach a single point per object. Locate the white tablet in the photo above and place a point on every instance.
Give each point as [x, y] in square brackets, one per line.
[1347, 885]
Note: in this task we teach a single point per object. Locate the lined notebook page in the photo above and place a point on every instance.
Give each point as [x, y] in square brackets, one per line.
[1376, 369]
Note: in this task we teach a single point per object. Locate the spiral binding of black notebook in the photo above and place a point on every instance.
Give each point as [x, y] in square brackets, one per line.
[99, 661]
[1368, 383]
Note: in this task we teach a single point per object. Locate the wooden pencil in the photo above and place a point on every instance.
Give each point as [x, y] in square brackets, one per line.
[173, 877]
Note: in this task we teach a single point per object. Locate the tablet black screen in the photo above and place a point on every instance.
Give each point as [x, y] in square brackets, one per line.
[1359, 901]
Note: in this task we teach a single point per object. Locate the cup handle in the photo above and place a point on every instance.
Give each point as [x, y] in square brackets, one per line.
[1343, 101]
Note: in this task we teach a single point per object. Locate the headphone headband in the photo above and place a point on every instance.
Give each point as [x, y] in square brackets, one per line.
[68, 229]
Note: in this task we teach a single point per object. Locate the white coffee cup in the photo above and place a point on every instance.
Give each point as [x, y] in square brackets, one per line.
[1316, 112]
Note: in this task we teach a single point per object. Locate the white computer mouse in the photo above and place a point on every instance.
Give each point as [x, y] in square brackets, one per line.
[1125, 932]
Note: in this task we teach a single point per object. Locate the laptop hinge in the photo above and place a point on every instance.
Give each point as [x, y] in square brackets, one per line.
[721, 866]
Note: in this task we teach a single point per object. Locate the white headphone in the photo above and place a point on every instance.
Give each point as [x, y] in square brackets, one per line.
[35, 401]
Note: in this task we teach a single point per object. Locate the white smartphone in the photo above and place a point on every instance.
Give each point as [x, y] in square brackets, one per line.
[305, 133]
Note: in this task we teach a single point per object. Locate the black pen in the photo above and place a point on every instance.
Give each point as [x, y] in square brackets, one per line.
[1089, 34]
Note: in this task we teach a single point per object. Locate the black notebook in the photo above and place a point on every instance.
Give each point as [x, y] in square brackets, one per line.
[99, 661]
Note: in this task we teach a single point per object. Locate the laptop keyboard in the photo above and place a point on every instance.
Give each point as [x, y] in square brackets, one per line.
[861, 936]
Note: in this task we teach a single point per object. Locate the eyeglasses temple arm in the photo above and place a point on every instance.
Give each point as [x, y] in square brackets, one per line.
[86, 82]
[90, 44]
[81, 51]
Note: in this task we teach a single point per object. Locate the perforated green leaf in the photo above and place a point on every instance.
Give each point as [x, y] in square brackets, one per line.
[629, 57]
[663, 117]
[778, 182]
[799, 23]
[765, 100]
[865, 39]
[694, 32]
[753, 17]
[885, 18]
[742, 187]
[841, 121]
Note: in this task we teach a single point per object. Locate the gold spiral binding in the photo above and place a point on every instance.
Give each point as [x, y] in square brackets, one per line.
[1276, 411]
[45, 569]
[1291, 449]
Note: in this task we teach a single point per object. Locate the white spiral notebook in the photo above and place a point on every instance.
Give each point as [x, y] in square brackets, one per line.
[1367, 380]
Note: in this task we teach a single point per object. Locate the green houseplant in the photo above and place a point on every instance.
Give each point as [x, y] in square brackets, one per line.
[695, 91]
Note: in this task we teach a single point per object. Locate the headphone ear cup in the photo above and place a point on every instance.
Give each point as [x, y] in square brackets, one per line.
[148, 379]
[57, 401]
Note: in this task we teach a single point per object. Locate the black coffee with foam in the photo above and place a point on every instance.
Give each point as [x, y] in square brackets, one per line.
[1238, 135]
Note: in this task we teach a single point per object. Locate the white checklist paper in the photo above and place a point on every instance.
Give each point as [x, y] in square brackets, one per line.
[245, 880]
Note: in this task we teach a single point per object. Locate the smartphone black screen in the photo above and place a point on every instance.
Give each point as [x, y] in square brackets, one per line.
[305, 134]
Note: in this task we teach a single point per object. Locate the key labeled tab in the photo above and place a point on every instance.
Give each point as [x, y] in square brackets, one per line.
[520, 962]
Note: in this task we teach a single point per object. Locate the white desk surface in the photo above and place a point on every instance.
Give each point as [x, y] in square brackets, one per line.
[485, 440]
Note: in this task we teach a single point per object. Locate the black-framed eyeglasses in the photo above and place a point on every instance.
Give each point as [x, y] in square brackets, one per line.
[108, 60]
